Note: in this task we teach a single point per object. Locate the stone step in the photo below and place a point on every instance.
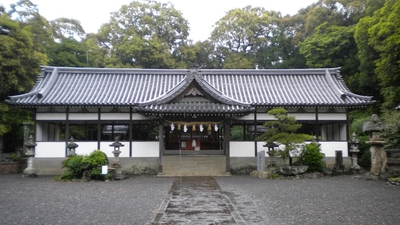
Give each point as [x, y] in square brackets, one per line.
[194, 166]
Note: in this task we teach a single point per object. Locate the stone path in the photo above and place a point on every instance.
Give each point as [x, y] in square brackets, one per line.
[197, 200]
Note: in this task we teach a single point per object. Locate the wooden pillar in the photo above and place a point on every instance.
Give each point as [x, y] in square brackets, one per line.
[66, 131]
[98, 127]
[35, 124]
[161, 146]
[130, 131]
[317, 124]
[227, 138]
[255, 131]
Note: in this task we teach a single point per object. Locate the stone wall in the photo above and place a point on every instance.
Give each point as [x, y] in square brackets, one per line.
[11, 167]
[52, 166]
[245, 161]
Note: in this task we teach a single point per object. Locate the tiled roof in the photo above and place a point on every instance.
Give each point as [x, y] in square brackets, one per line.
[196, 108]
[151, 88]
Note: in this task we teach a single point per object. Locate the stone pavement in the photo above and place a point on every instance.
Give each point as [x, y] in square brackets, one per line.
[228, 200]
[197, 200]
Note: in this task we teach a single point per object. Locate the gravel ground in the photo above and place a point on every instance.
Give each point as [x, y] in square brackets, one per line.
[334, 200]
[42, 201]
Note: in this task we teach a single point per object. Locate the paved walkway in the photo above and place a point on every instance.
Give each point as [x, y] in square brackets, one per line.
[200, 200]
[197, 200]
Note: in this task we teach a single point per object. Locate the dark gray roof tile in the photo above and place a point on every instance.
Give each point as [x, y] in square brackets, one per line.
[148, 87]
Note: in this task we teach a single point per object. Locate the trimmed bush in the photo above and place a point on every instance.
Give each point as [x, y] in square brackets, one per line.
[90, 165]
[312, 157]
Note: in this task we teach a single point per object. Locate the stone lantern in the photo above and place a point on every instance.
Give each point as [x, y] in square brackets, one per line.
[71, 147]
[116, 151]
[354, 142]
[271, 153]
[378, 154]
[30, 153]
[116, 167]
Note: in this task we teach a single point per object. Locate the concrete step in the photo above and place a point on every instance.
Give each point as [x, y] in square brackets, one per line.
[189, 165]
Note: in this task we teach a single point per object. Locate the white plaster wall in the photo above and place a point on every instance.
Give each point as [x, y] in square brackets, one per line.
[114, 116]
[145, 149]
[303, 116]
[332, 116]
[343, 132]
[329, 148]
[83, 116]
[51, 116]
[246, 149]
[260, 116]
[50, 150]
[85, 148]
[137, 116]
[105, 147]
[241, 149]
[39, 131]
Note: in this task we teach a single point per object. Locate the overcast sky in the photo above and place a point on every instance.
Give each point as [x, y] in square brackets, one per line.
[201, 15]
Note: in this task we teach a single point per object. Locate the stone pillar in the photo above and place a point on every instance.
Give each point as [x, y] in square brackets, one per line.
[339, 167]
[354, 153]
[30, 153]
[261, 161]
[27, 126]
[378, 154]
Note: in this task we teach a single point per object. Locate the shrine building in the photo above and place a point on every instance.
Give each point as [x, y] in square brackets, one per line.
[162, 112]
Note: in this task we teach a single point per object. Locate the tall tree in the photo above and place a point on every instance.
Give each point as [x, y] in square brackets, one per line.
[384, 38]
[144, 34]
[19, 66]
[332, 46]
[67, 28]
[242, 32]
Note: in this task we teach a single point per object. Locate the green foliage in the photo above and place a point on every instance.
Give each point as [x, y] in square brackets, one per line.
[391, 133]
[312, 157]
[378, 42]
[357, 124]
[331, 46]
[283, 130]
[93, 163]
[77, 165]
[365, 160]
[74, 167]
[144, 34]
[69, 52]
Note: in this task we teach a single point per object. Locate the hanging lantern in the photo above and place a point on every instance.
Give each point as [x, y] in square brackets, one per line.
[194, 128]
[185, 128]
[179, 126]
[209, 129]
[201, 128]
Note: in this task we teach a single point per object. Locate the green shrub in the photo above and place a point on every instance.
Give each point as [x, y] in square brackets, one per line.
[74, 167]
[91, 165]
[312, 157]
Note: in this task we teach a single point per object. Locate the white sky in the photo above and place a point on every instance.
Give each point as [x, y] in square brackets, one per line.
[201, 14]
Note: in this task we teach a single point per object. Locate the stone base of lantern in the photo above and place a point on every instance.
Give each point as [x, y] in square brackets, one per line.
[116, 173]
[29, 173]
